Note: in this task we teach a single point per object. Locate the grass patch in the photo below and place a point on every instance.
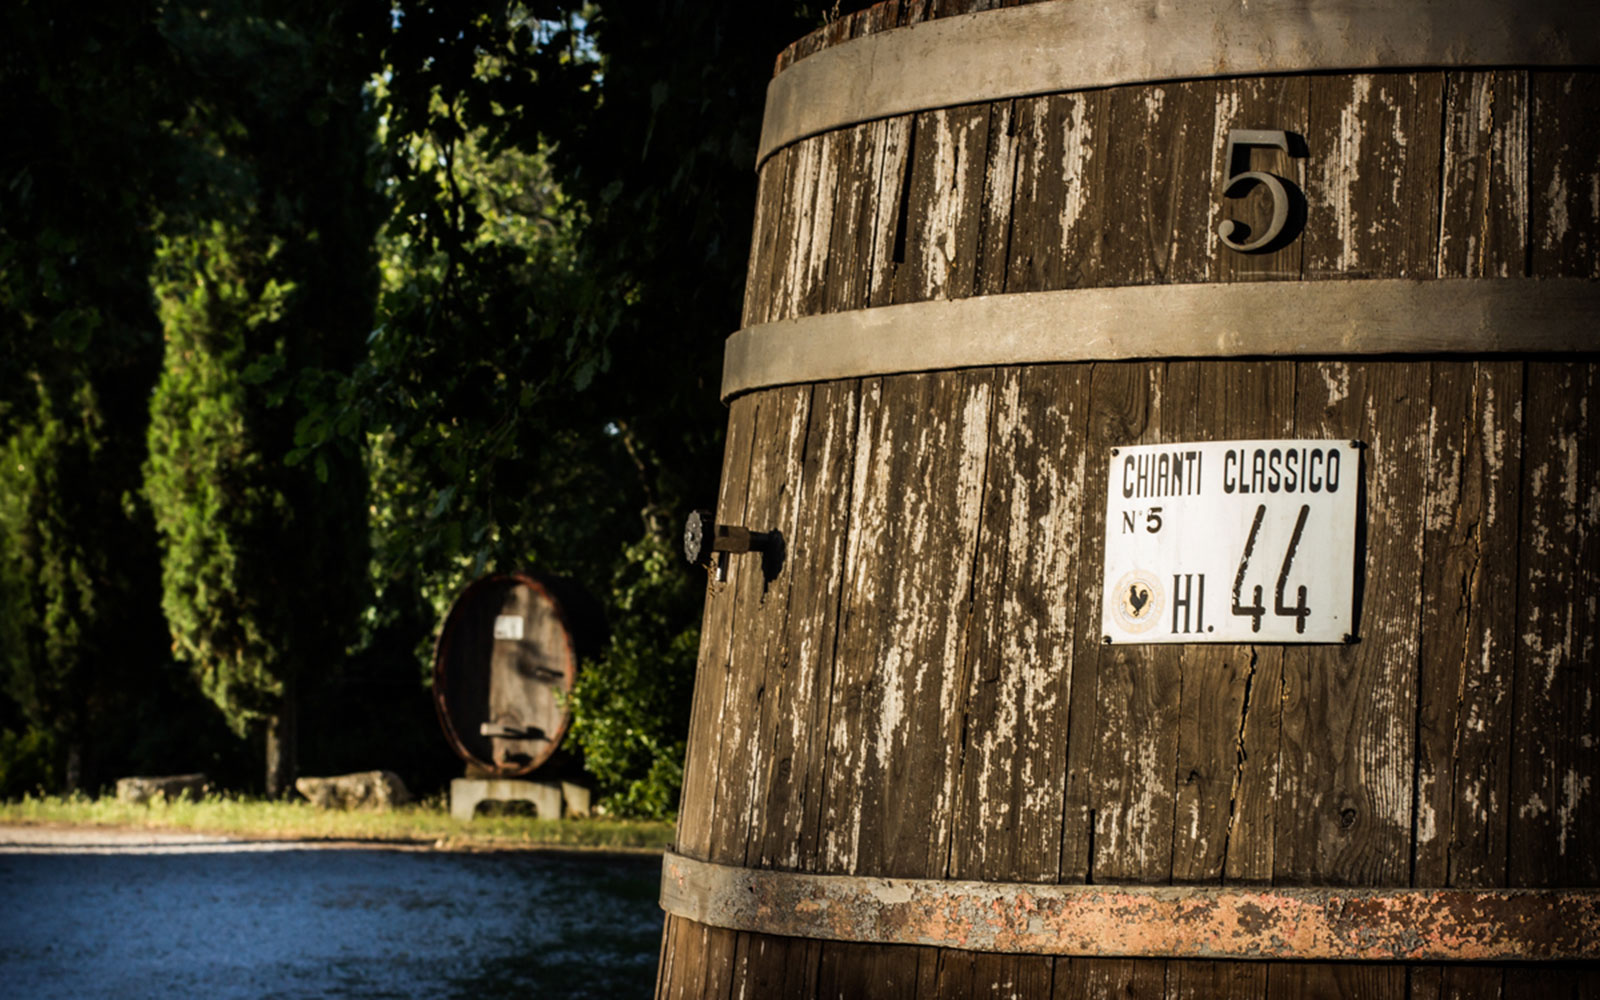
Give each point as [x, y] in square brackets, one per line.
[425, 822]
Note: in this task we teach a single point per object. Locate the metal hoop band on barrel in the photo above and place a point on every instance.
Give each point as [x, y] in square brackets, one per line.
[1464, 925]
[1051, 47]
[1244, 319]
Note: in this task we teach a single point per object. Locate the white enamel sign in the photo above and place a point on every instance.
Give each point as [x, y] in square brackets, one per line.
[508, 627]
[1231, 541]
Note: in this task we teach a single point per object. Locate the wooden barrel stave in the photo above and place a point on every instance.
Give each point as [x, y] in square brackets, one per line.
[852, 711]
[1324, 794]
[924, 438]
[876, 213]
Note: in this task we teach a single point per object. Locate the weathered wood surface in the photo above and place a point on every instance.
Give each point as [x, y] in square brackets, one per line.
[881, 17]
[921, 690]
[527, 676]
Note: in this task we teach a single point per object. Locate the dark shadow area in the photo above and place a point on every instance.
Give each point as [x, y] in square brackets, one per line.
[773, 554]
[1360, 576]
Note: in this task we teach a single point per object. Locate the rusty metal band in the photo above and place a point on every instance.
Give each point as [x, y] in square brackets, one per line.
[1243, 319]
[1083, 44]
[1435, 925]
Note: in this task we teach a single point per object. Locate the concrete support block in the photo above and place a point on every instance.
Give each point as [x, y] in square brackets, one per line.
[574, 801]
[551, 800]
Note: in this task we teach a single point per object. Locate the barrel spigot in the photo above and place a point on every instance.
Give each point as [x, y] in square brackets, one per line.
[705, 542]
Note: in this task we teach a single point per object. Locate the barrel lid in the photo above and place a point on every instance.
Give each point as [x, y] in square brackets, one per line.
[505, 660]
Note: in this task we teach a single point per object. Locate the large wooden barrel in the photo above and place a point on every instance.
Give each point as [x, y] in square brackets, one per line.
[988, 253]
[505, 659]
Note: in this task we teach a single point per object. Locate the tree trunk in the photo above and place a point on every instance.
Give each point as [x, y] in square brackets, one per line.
[74, 776]
[283, 762]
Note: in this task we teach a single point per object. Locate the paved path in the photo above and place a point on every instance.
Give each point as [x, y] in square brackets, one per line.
[153, 915]
[121, 840]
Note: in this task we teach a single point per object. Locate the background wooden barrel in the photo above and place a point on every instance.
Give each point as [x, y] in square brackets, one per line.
[507, 653]
[922, 691]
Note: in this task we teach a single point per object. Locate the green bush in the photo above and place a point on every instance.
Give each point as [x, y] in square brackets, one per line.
[631, 708]
[27, 762]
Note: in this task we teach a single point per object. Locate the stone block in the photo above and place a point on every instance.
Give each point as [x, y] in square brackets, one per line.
[363, 790]
[167, 788]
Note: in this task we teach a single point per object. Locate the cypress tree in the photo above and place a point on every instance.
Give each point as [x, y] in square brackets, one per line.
[266, 284]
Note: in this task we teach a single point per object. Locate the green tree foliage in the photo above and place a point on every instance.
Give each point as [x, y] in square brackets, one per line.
[490, 444]
[631, 708]
[471, 437]
[572, 187]
[518, 369]
[661, 150]
[49, 577]
[85, 86]
[266, 286]
[219, 501]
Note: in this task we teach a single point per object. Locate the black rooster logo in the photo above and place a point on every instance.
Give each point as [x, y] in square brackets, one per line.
[1138, 599]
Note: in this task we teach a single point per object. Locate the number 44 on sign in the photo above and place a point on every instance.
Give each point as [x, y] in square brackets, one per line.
[1231, 541]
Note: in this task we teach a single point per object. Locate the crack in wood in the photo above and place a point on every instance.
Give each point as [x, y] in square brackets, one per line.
[902, 220]
[1242, 755]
